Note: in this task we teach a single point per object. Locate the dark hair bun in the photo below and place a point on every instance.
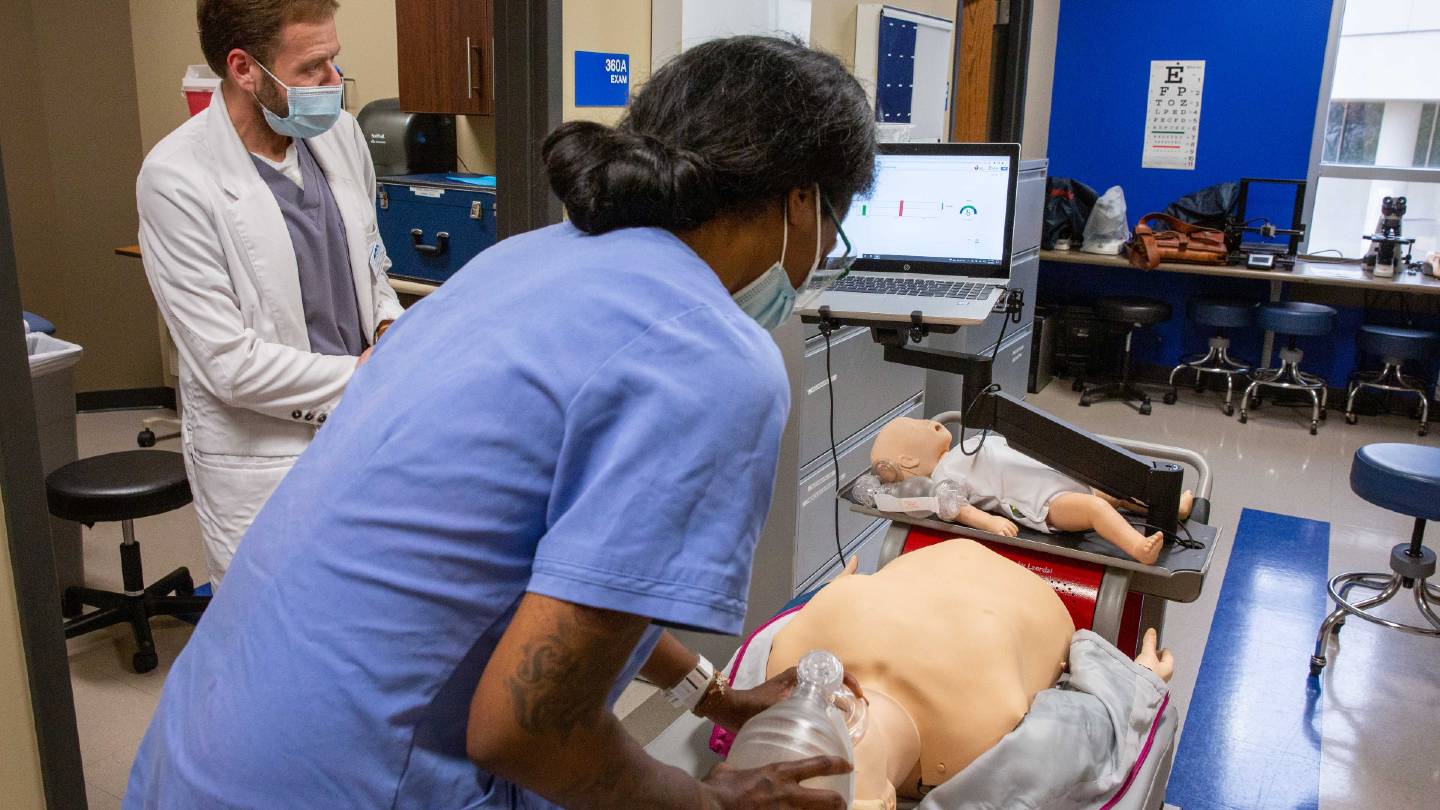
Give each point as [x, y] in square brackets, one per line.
[611, 179]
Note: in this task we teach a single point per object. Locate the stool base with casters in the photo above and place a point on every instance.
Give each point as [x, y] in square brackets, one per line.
[1123, 390]
[1215, 361]
[1389, 379]
[136, 604]
[1412, 565]
[1288, 377]
[121, 488]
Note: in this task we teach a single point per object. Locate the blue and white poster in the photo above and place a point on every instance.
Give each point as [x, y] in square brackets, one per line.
[602, 79]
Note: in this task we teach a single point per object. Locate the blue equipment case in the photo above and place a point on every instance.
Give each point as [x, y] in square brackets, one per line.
[414, 210]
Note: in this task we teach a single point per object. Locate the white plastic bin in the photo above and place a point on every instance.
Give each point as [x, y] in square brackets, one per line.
[52, 378]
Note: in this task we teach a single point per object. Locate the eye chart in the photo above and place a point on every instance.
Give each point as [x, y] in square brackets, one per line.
[1172, 120]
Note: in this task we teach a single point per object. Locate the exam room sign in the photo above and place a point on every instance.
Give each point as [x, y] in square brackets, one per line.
[602, 79]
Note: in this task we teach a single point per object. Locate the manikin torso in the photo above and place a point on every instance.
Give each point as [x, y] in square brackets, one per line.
[955, 636]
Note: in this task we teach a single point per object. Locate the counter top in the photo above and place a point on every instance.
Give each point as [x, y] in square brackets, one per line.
[1328, 273]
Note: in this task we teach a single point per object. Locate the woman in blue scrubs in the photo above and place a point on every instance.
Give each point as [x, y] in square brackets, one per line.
[567, 448]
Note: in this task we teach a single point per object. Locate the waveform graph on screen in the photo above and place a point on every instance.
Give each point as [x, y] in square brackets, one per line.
[916, 209]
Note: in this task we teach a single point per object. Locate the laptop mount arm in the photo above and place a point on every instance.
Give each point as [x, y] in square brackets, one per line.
[1077, 453]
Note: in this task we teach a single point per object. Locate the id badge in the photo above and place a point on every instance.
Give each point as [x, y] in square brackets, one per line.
[377, 261]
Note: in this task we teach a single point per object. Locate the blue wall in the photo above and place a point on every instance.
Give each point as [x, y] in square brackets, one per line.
[1262, 81]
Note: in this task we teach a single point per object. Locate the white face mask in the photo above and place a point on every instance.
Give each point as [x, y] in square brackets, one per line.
[313, 110]
[770, 298]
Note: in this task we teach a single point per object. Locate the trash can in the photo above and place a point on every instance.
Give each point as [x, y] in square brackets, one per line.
[52, 378]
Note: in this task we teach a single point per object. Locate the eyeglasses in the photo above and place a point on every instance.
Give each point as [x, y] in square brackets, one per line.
[844, 258]
[832, 268]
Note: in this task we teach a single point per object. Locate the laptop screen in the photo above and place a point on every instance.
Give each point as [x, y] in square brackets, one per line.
[937, 208]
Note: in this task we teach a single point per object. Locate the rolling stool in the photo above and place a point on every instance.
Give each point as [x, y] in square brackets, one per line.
[1135, 313]
[1293, 319]
[1396, 345]
[122, 487]
[1403, 478]
[1220, 313]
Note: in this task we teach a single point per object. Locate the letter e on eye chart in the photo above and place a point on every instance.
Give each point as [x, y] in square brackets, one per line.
[1172, 117]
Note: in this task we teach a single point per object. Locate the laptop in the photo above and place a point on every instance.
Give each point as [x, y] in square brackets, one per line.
[934, 235]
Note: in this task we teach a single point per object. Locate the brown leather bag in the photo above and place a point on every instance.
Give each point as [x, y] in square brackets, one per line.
[1175, 241]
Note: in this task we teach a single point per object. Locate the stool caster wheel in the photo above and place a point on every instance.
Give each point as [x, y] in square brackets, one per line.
[1316, 664]
[1351, 419]
[144, 662]
[1324, 413]
[146, 438]
[1244, 417]
[1229, 410]
[1424, 429]
[1199, 387]
[186, 587]
[1170, 397]
[1314, 428]
[1084, 402]
[70, 605]
[1078, 385]
[1145, 408]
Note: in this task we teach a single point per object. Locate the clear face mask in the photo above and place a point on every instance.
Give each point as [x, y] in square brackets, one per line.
[312, 110]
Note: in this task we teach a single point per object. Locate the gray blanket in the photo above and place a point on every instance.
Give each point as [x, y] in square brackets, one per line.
[1095, 741]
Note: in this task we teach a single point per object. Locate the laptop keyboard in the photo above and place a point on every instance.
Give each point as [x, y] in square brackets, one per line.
[921, 288]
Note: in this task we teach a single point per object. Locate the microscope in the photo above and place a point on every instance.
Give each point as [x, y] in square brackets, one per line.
[1384, 256]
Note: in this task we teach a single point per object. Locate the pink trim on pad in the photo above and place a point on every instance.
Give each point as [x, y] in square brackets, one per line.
[720, 739]
[1144, 754]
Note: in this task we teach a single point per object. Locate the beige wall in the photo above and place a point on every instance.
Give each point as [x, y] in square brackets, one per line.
[19, 750]
[614, 26]
[832, 22]
[165, 42]
[72, 146]
[1040, 78]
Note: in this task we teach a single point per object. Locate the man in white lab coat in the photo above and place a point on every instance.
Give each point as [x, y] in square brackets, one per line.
[257, 226]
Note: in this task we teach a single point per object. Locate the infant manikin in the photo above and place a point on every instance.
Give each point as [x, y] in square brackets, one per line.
[951, 644]
[998, 487]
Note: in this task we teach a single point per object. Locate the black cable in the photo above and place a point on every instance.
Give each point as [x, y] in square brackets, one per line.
[1014, 308]
[825, 328]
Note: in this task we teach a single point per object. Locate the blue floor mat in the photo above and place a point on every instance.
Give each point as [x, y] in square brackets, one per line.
[1252, 735]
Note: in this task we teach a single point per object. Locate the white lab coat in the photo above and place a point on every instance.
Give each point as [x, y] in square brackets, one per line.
[220, 263]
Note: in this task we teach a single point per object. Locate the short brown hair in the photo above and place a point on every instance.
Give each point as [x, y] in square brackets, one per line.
[251, 25]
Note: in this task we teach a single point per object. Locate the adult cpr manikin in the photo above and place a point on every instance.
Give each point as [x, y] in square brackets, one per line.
[221, 264]
[999, 479]
[951, 644]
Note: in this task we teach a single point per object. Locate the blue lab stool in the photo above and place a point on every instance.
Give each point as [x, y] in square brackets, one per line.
[1293, 319]
[1396, 345]
[1403, 478]
[1219, 314]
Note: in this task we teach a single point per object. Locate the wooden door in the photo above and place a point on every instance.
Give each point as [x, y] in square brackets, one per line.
[446, 56]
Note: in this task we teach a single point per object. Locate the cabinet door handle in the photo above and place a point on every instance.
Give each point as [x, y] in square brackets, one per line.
[442, 241]
[469, 70]
[474, 59]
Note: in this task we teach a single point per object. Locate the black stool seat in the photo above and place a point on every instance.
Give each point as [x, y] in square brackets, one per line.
[1132, 309]
[118, 486]
[121, 487]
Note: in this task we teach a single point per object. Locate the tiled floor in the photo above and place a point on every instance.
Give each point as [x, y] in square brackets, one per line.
[1378, 750]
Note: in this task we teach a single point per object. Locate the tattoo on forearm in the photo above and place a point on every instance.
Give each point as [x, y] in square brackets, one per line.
[560, 682]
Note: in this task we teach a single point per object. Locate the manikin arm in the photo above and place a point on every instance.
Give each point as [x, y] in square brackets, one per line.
[985, 522]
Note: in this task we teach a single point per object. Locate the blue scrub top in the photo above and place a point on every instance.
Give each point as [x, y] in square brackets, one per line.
[590, 418]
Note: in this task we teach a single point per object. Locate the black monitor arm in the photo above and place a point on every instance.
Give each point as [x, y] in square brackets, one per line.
[1074, 452]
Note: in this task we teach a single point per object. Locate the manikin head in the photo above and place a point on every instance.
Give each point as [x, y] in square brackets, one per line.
[908, 447]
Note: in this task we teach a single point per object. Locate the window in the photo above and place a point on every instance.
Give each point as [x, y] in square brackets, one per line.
[1377, 129]
[1427, 146]
[1352, 132]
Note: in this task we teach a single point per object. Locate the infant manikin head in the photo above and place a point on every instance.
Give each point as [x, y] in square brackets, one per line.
[908, 447]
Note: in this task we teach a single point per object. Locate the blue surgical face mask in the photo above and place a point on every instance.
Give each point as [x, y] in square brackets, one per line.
[770, 298]
[313, 110]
